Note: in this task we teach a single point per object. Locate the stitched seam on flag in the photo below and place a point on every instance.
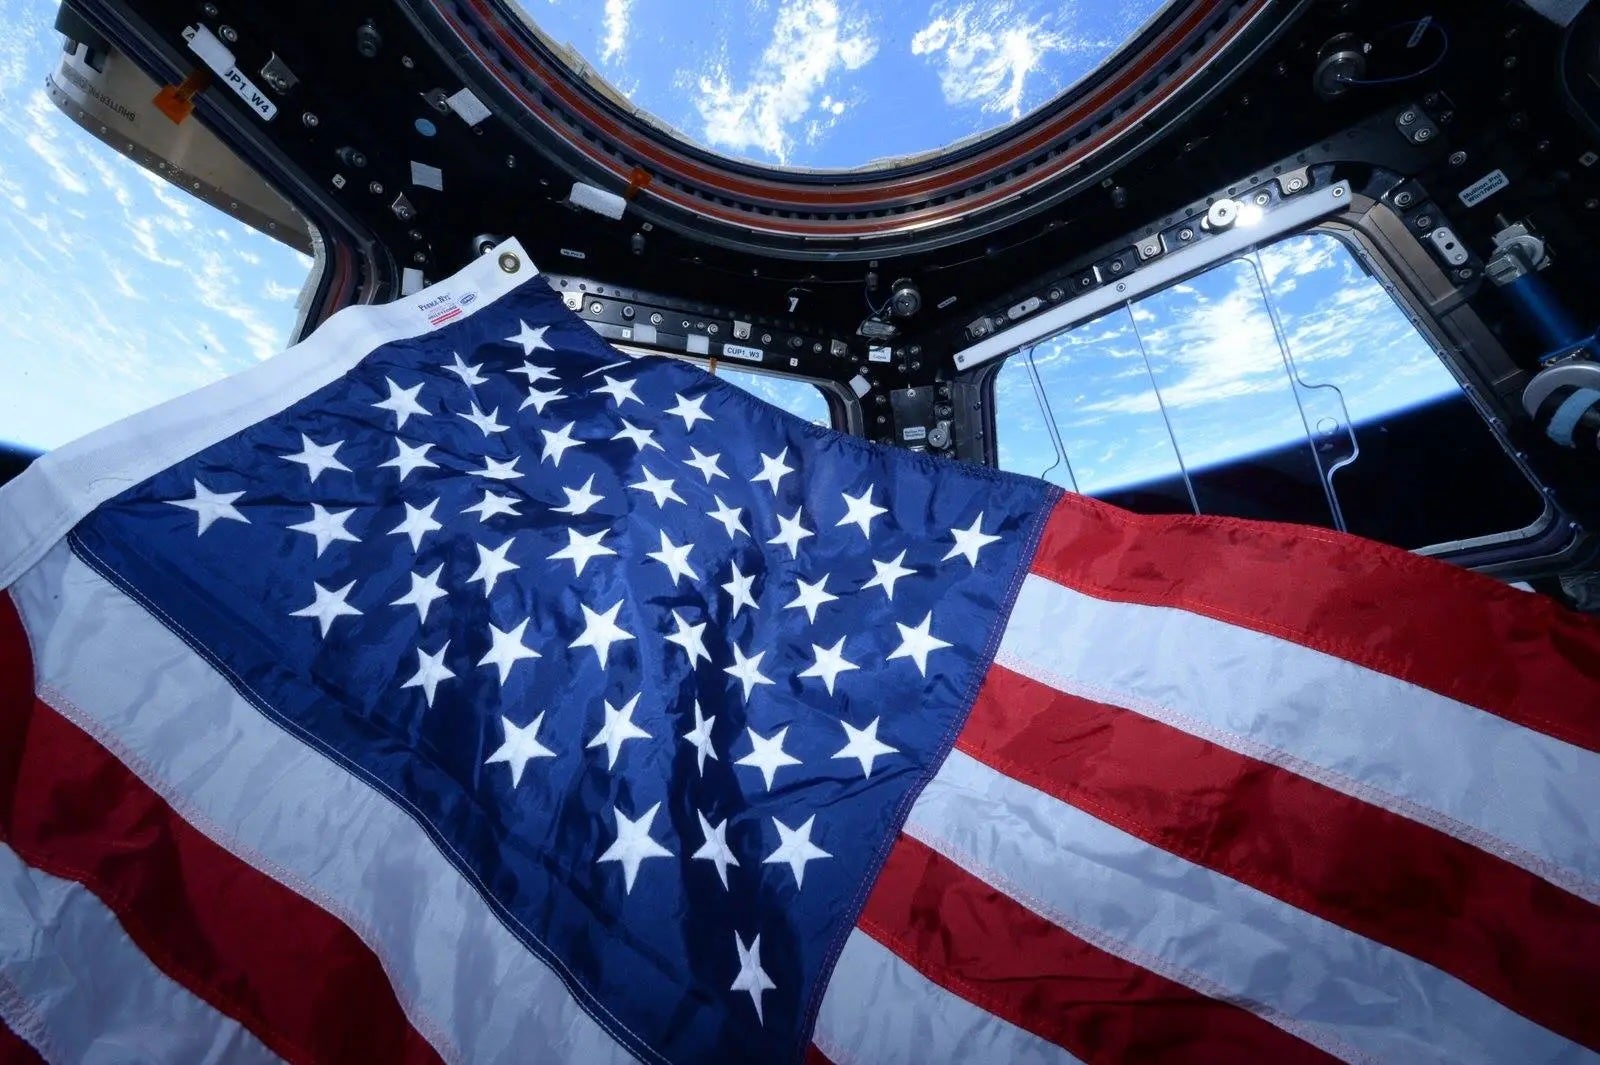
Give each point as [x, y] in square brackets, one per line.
[1539, 866]
[20, 1016]
[980, 667]
[140, 936]
[580, 994]
[1310, 1033]
[151, 779]
[1391, 665]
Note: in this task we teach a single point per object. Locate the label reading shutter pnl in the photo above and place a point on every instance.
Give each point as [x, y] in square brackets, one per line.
[738, 351]
[1484, 187]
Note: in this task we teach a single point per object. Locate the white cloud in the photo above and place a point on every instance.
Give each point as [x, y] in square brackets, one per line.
[616, 22]
[987, 54]
[812, 42]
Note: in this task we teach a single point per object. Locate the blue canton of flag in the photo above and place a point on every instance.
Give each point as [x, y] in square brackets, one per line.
[659, 667]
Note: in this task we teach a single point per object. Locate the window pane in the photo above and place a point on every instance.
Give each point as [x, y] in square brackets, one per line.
[124, 291]
[1287, 386]
[797, 397]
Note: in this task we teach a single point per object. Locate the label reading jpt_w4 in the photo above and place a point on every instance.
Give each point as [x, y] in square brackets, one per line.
[1484, 187]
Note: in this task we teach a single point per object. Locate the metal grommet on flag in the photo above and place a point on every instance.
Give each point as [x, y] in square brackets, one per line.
[509, 262]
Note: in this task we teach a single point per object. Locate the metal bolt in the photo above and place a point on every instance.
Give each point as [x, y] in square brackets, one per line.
[1185, 234]
[1424, 221]
[1407, 117]
[1464, 273]
[1591, 203]
[596, 307]
[1338, 192]
[766, 338]
[1116, 266]
[229, 34]
[1296, 184]
[407, 62]
[511, 162]
[1402, 199]
[1509, 62]
[1262, 199]
[509, 262]
[415, 234]
[712, 329]
[419, 257]
[209, 10]
[1422, 135]
[1122, 286]
[376, 188]
[656, 319]
[1458, 158]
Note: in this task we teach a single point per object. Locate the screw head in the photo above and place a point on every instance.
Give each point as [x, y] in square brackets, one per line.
[229, 34]
[310, 120]
[1407, 117]
[209, 10]
[376, 188]
[1296, 184]
[419, 257]
[1422, 135]
[1402, 199]
[509, 262]
[407, 62]
[1458, 158]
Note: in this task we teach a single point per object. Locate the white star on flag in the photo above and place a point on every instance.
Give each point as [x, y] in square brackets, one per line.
[580, 549]
[579, 500]
[317, 458]
[860, 510]
[707, 464]
[491, 505]
[791, 532]
[633, 844]
[675, 558]
[658, 487]
[488, 423]
[327, 606]
[327, 526]
[521, 745]
[424, 590]
[863, 745]
[691, 638]
[491, 564]
[430, 671]
[795, 849]
[808, 596]
[469, 374]
[402, 401]
[887, 574]
[211, 506]
[715, 849]
[916, 643]
[617, 730]
[690, 411]
[531, 339]
[752, 977]
[747, 670]
[600, 631]
[507, 650]
[767, 754]
[829, 663]
[639, 438]
[498, 470]
[738, 588]
[410, 458]
[619, 390]
[730, 517]
[558, 443]
[700, 737]
[773, 470]
[538, 398]
[419, 523]
[970, 541]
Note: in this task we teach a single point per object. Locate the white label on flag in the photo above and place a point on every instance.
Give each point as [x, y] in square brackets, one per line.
[738, 351]
[1484, 187]
[215, 55]
[468, 106]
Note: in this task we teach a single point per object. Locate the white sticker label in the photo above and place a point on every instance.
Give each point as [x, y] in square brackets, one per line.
[219, 59]
[1589, 158]
[696, 344]
[880, 355]
[427, 177]
[739, 351]
[915, 432]
[1484, 187]
[860, 385]
[468, 106]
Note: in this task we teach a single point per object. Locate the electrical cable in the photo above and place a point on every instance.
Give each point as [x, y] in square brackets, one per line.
[1428, 22]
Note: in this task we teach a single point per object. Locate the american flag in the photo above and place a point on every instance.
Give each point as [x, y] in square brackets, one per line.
[474, 692]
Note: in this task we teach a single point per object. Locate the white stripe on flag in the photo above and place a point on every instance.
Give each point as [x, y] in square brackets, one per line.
[878, 1008]
[76, 987]
[1319, 981]
[275, 803]
[1532, 799]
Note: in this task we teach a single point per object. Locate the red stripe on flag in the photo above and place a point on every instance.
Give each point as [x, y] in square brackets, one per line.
[1494, 925]
[979, 943]
[1462, 635]
[293, 974]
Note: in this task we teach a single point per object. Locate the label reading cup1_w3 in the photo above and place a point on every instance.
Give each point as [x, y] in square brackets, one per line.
[739, 351]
